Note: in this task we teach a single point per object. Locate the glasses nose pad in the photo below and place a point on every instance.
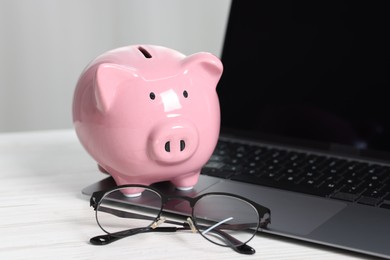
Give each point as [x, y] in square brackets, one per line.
[158, 222]
[191, 224]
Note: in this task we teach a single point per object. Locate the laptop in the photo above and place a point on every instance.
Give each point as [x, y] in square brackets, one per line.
[305, 121]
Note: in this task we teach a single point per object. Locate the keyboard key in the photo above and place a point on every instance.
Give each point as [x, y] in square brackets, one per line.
[374, 193]
[213, 164]
[386, 199]
[315, 159]
[296, 157]
[289, 171]
[385, 206]
[386, 202]
[328, 187]
[345, 196]
[216, 158]
[352, 189]
[231, 168]
[333, 163]
[217, 173]
[369, 201]
[313, 174]
[313, 167]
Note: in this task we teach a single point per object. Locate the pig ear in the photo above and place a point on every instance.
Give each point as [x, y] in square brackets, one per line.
[107, 81]
[205, 65]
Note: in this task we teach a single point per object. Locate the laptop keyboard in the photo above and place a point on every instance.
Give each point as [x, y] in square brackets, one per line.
[319, 175]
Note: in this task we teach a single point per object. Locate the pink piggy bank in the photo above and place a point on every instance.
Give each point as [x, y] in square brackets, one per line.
[148, 114]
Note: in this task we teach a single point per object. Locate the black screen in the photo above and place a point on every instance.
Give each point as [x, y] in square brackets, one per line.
[317, 71]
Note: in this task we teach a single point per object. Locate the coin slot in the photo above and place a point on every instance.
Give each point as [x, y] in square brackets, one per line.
[145, 52]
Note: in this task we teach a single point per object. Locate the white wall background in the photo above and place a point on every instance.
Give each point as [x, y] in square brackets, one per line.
[45, 44]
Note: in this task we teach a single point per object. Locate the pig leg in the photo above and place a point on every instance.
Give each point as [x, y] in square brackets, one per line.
[102, 169]
[128, 192]
[187, 181]
[131, 192]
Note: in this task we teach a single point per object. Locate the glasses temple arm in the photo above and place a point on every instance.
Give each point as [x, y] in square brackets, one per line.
[234, 243]
[112, 237]
[124, 214]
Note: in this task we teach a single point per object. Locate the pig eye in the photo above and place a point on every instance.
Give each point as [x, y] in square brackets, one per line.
[185, 94]
[152, 96]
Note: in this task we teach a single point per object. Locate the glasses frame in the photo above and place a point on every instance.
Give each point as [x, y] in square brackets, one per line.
[263, 213]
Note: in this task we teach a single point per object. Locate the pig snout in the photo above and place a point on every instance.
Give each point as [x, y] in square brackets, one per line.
[173, 143]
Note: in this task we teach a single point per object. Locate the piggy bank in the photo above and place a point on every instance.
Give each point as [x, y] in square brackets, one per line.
[148, 114]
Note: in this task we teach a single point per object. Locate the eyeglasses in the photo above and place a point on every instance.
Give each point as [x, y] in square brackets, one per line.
[222, 218]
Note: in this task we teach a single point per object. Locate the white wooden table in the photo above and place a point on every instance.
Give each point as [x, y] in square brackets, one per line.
[43, 214]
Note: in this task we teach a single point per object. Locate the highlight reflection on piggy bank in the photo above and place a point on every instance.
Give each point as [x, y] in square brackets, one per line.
[148, 114]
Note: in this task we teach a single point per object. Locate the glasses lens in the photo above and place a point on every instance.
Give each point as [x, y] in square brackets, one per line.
[118, 211]
[226, 220]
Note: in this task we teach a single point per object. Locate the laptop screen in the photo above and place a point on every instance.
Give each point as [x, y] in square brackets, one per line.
[313, 71]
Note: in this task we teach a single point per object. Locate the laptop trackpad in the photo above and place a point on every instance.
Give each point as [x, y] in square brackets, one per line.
[290, 212]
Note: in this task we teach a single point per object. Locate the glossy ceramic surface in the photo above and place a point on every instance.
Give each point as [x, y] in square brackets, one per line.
[149, 113]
